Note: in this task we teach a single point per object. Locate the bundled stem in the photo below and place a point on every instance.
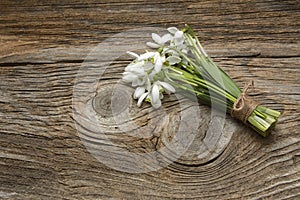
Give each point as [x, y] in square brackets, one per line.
[207, 78]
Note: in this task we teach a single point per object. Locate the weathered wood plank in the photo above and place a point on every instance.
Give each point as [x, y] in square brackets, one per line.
[46, 148]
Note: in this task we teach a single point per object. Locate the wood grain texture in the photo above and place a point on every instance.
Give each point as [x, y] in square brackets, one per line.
[43, 151]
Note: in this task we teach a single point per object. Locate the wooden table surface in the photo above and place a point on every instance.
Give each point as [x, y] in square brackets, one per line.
[53, 148]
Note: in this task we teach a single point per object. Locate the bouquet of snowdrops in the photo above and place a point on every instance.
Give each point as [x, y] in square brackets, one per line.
[180, 64]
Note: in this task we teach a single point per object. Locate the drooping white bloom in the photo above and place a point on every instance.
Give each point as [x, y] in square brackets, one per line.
[159, 41]
[139, 91]
[168, 88]
[154, 94]
[141, 99]
[179, 42]
[178, 38]
[146, 56]
[158, 61]
[135, 74]
[143, 61]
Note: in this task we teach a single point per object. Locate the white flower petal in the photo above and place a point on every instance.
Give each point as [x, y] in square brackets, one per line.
[146, 55]
[148, 66]
[155, 93]
[179, 42]
[153, 45]
[178, 38]
[172, 30]
[132, 54]
[173, 60]
[158, 63]
[166, 38]
[156, 104]
[167, 87]
[136, 70]
[156, 38]
[178, 34]
[141, 99]
[139, 91]
[132, 66]
[129, 77]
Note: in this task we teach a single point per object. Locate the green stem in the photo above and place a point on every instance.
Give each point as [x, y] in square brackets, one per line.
[262, 119]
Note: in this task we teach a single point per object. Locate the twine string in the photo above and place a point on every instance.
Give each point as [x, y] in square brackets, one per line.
[244, 106]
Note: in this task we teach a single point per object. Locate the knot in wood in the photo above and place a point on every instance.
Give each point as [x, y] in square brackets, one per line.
[108, 103]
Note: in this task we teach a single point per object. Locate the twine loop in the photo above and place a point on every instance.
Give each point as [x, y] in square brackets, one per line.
[243, 106]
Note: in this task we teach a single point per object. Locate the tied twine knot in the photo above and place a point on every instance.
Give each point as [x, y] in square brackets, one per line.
[243, 106]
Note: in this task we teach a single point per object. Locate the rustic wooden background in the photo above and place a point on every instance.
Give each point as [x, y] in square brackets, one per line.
[43, 45]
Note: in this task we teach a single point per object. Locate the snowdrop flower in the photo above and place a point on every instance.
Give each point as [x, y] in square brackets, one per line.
[158, 61]
[178, 40]
[164, 86]
[135, 73]
[139, 91]
[174, 39]
[159, 41]
[145, 61]
[141, 99]
[146, 56]
[155, 94]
